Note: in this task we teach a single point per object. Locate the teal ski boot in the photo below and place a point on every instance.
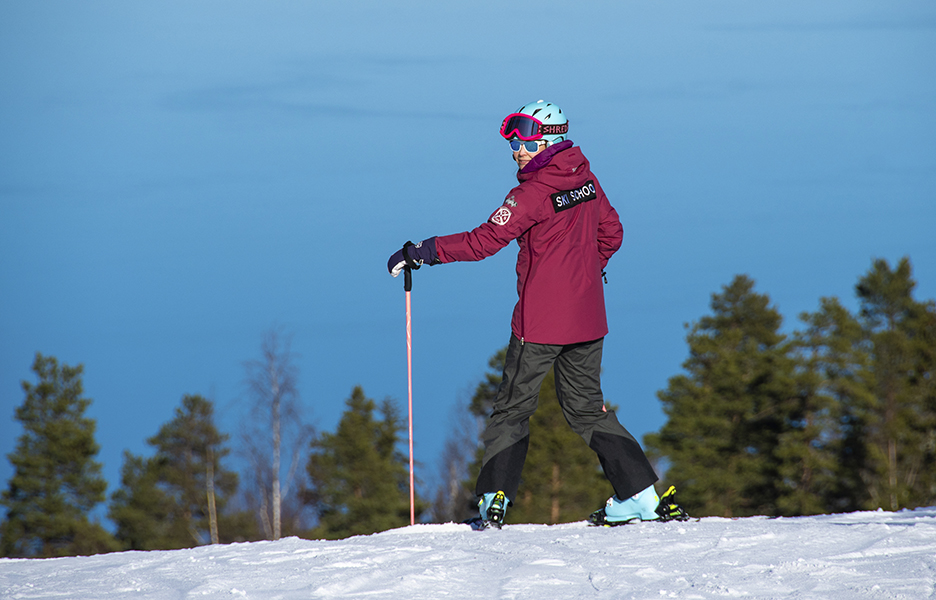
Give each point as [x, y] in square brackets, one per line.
[493, 508]
[643, 506]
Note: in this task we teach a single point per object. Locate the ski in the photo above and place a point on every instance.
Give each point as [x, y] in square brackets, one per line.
[479, 524]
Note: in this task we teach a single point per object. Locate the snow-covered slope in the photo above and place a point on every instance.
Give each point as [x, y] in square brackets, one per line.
[849, 556]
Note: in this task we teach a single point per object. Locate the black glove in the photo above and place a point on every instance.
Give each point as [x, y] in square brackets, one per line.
[413, 256]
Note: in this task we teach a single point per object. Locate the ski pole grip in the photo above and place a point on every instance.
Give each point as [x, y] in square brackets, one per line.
[408, 269]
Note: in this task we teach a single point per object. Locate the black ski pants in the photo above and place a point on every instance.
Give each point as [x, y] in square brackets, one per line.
[578, 387]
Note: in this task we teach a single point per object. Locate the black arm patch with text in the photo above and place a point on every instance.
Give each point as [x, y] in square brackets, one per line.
[571, 198]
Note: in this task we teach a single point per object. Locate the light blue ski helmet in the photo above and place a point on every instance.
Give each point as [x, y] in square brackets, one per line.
[549, 114]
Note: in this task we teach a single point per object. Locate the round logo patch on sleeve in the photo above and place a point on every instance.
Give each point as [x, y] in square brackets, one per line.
[501, 216]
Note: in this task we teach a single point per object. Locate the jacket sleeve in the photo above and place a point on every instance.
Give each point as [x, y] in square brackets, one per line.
[610, 231]
[517, 214]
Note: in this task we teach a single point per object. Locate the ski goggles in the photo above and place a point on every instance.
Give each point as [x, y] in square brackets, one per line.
[531, 146]
[529, 128]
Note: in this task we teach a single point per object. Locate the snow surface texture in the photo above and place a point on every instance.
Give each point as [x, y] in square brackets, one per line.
[849, 556]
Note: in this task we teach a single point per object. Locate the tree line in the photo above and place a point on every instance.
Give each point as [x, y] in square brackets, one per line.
[839, 415]
[183, 495]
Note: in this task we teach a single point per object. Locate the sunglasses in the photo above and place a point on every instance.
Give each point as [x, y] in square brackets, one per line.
[531, 147]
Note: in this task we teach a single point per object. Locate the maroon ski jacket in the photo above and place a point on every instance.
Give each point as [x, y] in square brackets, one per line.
[567, 230]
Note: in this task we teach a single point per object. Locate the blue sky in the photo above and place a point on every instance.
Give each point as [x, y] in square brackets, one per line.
[177, 178]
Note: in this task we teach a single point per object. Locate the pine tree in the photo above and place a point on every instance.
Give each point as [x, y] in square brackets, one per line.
[56, 481]
[359, 479]
[823, 451]
[727, 414]
[175, 498]
[141, 509]
[900, 468]
[482, 402]
[562, 478]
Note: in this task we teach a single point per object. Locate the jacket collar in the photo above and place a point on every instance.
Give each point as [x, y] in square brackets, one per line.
[544, 158]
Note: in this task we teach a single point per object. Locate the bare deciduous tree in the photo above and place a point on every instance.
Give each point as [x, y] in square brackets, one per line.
[274, 423]
[454, 501]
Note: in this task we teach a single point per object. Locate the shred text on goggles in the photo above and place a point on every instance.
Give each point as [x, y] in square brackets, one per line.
[528, 128]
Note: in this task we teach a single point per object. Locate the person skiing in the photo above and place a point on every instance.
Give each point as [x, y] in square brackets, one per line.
[567, 231]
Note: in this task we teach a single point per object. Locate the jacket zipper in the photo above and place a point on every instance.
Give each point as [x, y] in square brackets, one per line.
[523, 293]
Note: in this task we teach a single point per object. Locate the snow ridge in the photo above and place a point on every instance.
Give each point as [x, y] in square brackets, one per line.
[847, 556]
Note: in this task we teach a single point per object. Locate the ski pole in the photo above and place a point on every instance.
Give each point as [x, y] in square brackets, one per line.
[408, 287]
